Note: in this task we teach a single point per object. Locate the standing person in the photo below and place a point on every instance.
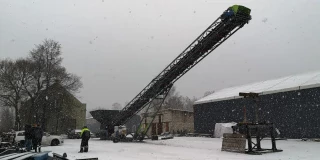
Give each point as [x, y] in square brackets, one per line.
[36, 137]
[107, 135]
[33, 137]
[27, 137]
[13, 136]
[85, 136]
[38, 133]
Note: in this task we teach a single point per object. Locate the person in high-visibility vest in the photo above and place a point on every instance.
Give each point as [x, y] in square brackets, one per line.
[85, 136]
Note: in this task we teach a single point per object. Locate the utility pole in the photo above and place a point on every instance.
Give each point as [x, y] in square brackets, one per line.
[255, 97]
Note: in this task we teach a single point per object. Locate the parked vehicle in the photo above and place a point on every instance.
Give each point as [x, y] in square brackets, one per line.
[47, 139]
[93, 135]
[7, 137]
[166, 135]
[74, 134]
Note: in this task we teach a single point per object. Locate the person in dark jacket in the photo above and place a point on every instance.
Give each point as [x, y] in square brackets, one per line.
[27, 137]
[41, 134]
[107, 134]
[36, 137]
[85, 136]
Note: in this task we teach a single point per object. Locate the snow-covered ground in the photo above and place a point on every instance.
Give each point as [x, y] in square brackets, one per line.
[184, 148]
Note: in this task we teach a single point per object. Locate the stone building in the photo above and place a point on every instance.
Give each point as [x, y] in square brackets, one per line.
[170, 120]
[56, 110]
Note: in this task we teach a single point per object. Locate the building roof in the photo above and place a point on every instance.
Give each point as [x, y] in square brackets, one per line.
[289, 83]
[168, 109]
[179, 110]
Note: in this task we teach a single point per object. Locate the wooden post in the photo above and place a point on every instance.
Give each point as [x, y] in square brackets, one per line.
[258, 139]
[273, 139]
[245, 114]
[249, 139]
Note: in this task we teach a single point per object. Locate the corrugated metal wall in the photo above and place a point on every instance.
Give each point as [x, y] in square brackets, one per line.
[295, 113]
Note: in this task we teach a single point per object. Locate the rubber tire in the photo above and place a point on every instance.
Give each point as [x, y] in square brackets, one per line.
[55, 142]
[115, 140]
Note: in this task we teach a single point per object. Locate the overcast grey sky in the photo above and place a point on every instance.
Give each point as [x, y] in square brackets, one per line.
[118, 46]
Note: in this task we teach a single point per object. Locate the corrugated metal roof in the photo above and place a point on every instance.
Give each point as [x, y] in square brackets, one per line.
[289, 83]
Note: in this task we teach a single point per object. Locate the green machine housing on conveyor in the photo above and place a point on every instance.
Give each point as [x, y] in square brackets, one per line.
[236, 12]
[240, 9]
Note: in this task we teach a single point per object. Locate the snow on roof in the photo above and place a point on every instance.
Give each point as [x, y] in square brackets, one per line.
[289, 83]
[180, 110]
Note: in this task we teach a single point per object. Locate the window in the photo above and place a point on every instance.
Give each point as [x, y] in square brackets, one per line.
[21, 134]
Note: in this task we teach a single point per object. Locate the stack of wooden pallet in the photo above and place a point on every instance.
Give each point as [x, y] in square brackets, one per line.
[234, 142]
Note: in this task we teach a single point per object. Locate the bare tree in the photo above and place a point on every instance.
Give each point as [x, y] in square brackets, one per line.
[126, 103]
[47, 58]
[172, 92]
[6, 119]
[208, 93]
[26, 79]
[13, 75]
[116, 106]
[173, 100]
[188, 103]
[45, 69]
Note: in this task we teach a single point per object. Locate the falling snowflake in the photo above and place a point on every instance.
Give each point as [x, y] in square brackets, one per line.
[264, 20]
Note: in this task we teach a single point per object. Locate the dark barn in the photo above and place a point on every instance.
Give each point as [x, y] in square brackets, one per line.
[291, 103]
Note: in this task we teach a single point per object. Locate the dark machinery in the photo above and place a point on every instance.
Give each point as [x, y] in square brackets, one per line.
[256, 129]
[259, 131]
[221, 29]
